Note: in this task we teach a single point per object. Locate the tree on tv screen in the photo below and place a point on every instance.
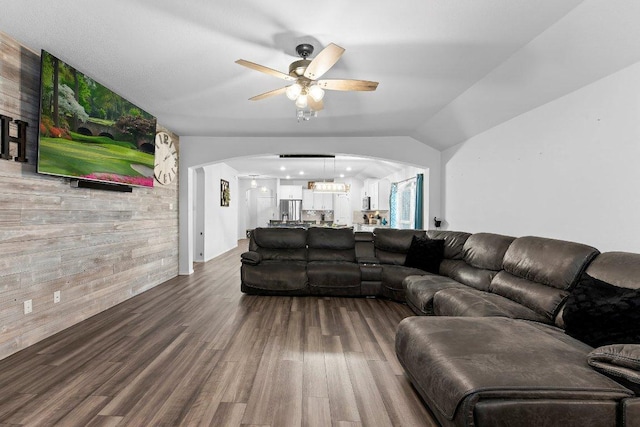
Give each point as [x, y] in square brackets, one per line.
[71, 99]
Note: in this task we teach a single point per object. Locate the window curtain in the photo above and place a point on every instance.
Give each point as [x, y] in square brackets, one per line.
[393, 206]
[406, 201]
[419, 201]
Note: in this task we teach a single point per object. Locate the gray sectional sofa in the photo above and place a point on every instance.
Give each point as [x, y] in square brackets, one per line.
[490, 345]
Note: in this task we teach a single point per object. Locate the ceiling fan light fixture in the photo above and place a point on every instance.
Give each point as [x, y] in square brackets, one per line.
[302, 101]
[316, 93]
[293, 91]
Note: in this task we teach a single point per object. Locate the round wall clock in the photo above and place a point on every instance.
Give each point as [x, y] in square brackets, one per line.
[166, 164]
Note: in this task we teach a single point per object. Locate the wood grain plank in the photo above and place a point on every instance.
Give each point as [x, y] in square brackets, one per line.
[195, 351]
[341, 394]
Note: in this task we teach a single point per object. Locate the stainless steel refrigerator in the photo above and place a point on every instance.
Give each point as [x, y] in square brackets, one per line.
[291, 210]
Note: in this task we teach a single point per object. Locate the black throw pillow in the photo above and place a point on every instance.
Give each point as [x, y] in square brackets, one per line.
[599, 313]
[425, 254]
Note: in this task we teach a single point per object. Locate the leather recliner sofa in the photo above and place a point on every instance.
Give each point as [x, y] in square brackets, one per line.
[334, 261]
[492, 350]
[481, 365]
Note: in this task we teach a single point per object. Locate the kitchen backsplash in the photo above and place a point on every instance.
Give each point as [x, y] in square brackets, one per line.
[317, 216]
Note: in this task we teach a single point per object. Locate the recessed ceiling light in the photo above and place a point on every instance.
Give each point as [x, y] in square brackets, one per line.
[341, 175]
[301, 172]
[282, 168]
[348, 168]
[288, 176]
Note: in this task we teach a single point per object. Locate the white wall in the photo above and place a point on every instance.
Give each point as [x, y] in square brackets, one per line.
[247, 215]
[569, 169]
[220, 222]
[199, 151]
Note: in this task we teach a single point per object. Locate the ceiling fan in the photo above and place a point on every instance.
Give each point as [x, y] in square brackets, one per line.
[306, 90]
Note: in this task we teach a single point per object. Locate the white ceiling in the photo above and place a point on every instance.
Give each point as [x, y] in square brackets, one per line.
[447, 69]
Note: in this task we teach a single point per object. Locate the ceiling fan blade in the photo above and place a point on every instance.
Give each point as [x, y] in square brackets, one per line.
[315, 105]
[269, 94]
[361, 85]
[323, 61]
[264, 69]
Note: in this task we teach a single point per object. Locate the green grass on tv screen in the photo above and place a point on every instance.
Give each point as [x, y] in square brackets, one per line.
[95, 157]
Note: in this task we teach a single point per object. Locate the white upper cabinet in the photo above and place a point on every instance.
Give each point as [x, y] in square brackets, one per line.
[291, 192]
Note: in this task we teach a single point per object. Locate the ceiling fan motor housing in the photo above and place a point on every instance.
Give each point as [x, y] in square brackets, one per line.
[304, 50]
[297, 68]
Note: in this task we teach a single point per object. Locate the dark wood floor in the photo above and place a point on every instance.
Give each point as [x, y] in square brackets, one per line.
[195, 351]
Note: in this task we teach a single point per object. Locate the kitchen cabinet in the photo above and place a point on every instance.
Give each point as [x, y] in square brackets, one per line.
[378, 191]
[373, 194]
[290, 192]
[342, 214]
[312, 201]
[384, 192]
[323, 201]
[307, 200]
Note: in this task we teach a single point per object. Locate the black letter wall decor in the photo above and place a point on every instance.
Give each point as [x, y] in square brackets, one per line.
[6, 139]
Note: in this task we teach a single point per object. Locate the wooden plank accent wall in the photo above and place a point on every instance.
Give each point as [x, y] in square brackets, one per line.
[98, 248]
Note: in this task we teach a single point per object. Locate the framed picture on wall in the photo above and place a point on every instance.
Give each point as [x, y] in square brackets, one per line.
[225, 194]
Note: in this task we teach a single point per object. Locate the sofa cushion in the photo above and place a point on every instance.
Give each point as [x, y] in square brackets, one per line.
[275, 276]
[468, 302]
[456, 362]
[330, 238]
[620, 361]
[453, 242]
[392, 245]
[555, 263]
[425, 254]
[486, 250]
[334, 275]
[543, 299]
[419, 291]
[462, 272]
[280, 244]
[280, 238]
[599, 313]
[392, 277]
[617, 268]
[538, 272]
[331, 244]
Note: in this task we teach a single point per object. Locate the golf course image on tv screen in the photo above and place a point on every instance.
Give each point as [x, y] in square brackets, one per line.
[89, 132]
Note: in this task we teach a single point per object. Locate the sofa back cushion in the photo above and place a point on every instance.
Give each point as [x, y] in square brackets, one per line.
[472, 259]
[281, 244]
[486, 250]
[392, 245]
[604, 307]
[331, 244]
[620, 269]
[453, 242]
[539, 272]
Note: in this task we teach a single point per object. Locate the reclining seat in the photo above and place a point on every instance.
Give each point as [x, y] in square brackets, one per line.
[470, 261]
[391, 247]
[332, 268]
[489, 371]
[276, 263]
[537, 275]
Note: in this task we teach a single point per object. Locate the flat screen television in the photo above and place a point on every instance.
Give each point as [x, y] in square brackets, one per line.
[89, 132]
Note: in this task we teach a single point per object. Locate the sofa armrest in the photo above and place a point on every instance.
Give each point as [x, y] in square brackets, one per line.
[620, 361]
[368, 260]
[631, 412]
[251, 258]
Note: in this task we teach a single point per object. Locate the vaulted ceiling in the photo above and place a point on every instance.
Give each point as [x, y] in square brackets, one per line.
[447, 69]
